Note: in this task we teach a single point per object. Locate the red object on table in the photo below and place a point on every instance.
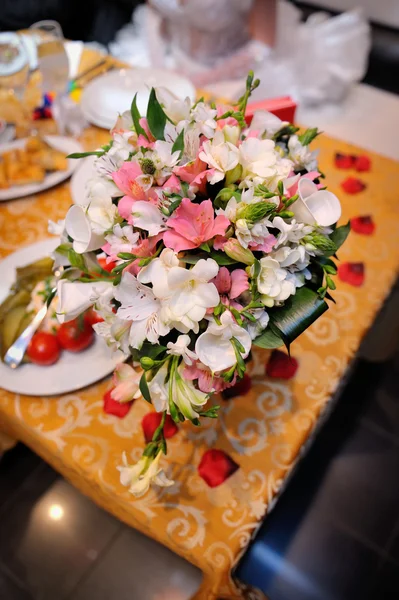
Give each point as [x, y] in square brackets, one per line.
[284, 108]
[152, 420]
[112, 407]
[216, 466]
[281, 366]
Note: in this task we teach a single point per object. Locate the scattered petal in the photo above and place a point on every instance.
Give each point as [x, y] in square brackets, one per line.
[352, 273]
[152, 420]
[216, 466]
[363, 225]
[281, 365]
[239, 389]
[112, 407]
[362, 163]
[344, 161]
[352, 185]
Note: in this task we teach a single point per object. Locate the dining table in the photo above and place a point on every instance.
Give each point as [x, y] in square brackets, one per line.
[265, 431]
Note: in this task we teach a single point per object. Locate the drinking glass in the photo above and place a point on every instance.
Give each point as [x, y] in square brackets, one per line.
[52, 58]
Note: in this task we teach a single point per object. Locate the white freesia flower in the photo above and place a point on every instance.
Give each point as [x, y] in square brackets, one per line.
[301, 156]
[139, 305]
[140, 476]
[174, 108]
[251, 234]
[122, 239]
[187, 398]
[289, 232]
[266, 124]
[204, 117]
[74, 297]
[115, 333]
[232, 133]
[258, 159]
[159, 390]
[148, 217]
[219, 155]
[78, 227]
[292, 257]
[272, 282]
[315, 206]
[262, 320]
[214, 347]
[156, 272]
[180, 348]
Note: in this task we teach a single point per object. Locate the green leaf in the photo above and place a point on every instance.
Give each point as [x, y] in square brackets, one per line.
[192, 260]
[145, 392]
[151, 350]
[76, 260]
[205, 246]
[308, 136]
[339, 235]
[134, 111]
[83, 154]
[63, 249]
[268, 340]
[156, 118]
[174, 205]
[178, 145]
[297, 314]
[222, 259]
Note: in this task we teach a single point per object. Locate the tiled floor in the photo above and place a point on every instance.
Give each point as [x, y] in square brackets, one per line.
[334, 535]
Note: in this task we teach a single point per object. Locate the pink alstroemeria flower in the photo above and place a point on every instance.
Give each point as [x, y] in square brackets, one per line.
[267, 246]
[126, 381]
[195, 173]
[206, 381]
[145, 142]
[231, 284]
[193, 224]
[126, 180]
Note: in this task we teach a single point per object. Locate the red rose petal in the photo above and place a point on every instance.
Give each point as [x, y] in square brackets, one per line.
[363, 225]
[352, 273]
[215, 467]
[239, 389]
[281, 365]
[152, 420]
[344, 161]
[362, 163]
[352, 185]
[112, 407]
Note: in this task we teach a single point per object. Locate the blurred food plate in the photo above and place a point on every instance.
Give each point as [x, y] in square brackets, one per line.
[64, 145]
[72, 371]
[112, 93]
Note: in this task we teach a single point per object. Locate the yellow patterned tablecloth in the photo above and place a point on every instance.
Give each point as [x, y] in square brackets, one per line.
[262, 431]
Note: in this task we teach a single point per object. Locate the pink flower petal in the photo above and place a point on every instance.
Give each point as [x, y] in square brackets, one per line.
[223, 280]
[239, 283]
[125, 206]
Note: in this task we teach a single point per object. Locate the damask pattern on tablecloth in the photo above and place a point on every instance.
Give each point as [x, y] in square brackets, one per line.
[263, 431]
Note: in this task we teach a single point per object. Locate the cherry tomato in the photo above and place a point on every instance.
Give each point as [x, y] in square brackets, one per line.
[44, 348]
[106, 266]
[76, 335]
[92, 317]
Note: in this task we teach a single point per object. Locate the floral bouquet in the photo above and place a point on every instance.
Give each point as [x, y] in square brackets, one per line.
[203, 235]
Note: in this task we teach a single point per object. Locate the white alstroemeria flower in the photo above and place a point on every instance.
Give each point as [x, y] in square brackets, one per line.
[121, 146]
[140, 476]
[115, 333]
[180, 348]
[190, 293]
[159, 390]
[122, 239]
[187, 398]
[78, 227]
[294, 258]
[315, 206]
[191, 144]
[214, 347]
[103, 185]
[266, 124]
[139, 305]
[272, 282]
[74, 297]
[258, 159]
[289, 232]
[148, 217]
[101, 211]
[174, 108]
[123, 123]
[156, 272]
[219, 155]
[204, 117]
[157, 164]
[301, 156]
[262, 320]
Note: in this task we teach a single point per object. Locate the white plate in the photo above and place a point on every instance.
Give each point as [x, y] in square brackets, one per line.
[63, 144]
[79, 179]
[112, 93]
[72, 371]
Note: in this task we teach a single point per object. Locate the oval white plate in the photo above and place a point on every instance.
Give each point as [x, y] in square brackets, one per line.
[72, 371]
[112, 93]
[64, 144]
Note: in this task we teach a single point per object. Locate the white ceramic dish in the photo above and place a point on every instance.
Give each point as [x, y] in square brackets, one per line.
[72, 371]
[64, 144]
[79, 180]
[112, 93]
